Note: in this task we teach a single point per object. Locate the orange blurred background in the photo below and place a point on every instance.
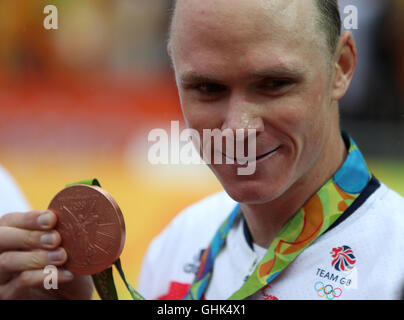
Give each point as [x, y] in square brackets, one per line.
[79, 102]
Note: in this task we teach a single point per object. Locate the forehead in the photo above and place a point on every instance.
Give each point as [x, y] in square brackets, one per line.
[291, 14]
[250, 32]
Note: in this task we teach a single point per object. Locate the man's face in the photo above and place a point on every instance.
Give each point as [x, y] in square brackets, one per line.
[256, 64]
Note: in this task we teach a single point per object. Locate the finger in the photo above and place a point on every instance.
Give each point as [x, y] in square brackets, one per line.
[20, 239]
[19, 261]
[33, 220]
[43, 278]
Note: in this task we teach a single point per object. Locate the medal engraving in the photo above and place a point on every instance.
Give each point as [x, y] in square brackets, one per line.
[91, 226]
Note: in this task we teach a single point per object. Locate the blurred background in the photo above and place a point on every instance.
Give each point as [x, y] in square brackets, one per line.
[79, 102]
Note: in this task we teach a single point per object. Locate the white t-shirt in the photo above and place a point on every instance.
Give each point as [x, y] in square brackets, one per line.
[11, 197]
[373, 236]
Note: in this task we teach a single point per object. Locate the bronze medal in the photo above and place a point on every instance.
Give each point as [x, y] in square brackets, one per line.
[91, 226]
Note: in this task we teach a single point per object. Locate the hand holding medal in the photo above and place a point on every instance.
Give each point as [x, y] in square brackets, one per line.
[93, 234]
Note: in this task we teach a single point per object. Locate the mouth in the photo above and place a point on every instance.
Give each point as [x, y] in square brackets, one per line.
[257, 159]
[265, 156]
[268, 154]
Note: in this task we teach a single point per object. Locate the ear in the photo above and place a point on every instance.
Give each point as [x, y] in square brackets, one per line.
[345, 61]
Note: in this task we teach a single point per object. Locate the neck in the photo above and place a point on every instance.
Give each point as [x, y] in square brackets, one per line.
[266, 220]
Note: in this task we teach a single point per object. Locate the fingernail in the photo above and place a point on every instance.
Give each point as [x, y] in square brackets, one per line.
[56, 256]
[45, 220]
[48, 239]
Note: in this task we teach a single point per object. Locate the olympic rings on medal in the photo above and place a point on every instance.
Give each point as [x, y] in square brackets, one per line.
[327, 291]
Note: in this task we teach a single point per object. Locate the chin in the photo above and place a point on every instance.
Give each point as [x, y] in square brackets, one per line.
[252, 195]
[254, 189]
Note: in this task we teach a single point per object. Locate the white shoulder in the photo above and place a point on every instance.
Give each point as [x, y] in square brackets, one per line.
[11, 197]
[207, 213]
[392, 205]
[198, 222]
[189, 232]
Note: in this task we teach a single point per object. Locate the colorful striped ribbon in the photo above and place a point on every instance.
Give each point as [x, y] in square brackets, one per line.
[317, 215]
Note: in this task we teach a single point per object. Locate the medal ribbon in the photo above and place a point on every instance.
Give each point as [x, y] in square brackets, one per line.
[104, 281]
[317, 215]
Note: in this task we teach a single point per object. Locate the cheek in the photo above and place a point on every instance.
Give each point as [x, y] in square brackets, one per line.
[318, 112]
[302, 121]
[309, 110]
[314, 123]
[201, 116]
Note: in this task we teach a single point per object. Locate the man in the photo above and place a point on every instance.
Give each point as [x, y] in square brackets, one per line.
[311, 222]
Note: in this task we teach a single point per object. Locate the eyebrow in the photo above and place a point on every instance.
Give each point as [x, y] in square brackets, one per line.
[279, 71]
[273, 72]
[194, 77]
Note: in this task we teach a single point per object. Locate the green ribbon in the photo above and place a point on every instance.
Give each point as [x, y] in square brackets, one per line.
[316, 216]
[104, 281]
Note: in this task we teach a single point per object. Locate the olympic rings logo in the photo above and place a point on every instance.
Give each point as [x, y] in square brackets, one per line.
[327, 291]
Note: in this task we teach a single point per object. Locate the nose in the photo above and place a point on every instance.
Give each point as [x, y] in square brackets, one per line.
[242, 117]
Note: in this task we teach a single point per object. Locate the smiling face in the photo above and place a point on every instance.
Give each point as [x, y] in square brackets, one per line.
[264, 65]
